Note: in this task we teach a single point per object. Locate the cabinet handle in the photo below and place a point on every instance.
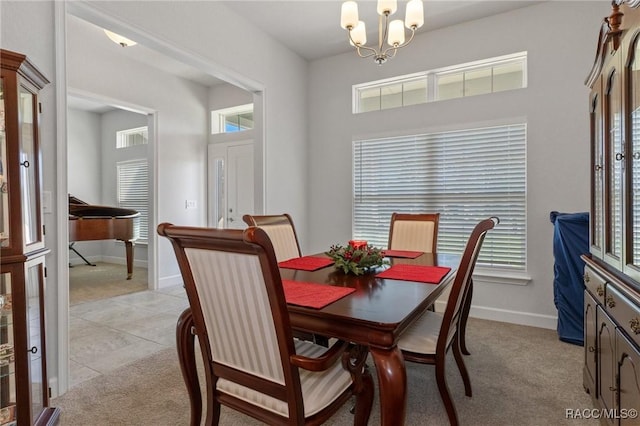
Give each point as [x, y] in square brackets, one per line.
[634, 323]
[613, 389]
[592, 349]
[597, 167]
[33, 350]
[636, 155]
[610, 302]
[619, 156]
[587, 278]
[25, 163]
[600, 291]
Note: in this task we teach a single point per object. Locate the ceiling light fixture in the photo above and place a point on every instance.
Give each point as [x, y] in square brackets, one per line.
[391, 32]
[118, 39]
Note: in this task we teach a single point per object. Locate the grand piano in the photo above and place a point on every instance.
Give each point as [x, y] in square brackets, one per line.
[88, 222]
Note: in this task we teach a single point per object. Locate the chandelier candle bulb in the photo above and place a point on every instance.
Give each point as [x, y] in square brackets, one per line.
[396, 33]
[349, 16]
[359, 35]
[387, 7]
[415, 14]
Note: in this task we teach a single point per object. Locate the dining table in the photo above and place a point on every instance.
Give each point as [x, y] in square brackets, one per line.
[373, 313]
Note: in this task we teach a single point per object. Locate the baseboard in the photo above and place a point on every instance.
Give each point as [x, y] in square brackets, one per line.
[512, 317]
[123, 261]
[171, 281]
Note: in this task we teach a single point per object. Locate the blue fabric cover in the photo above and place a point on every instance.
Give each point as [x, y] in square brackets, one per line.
[570, 241]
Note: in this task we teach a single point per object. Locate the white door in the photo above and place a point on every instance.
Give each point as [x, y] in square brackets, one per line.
[231, 184]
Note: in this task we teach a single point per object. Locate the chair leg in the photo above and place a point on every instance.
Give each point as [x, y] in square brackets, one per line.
[461, 367]
[444, 391]
[466, 307]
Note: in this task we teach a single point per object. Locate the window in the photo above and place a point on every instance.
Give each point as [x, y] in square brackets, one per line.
[235, 119]
[132, 137]
[466, 175]
[469, 79]
[133, 192]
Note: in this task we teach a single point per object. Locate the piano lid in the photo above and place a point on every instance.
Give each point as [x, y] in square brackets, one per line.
[81, 209]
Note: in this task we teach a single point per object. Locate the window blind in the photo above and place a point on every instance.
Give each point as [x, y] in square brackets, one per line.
[133, 192]
[466, 176]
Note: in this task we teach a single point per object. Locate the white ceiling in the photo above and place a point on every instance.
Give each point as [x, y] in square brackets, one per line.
[311, 28]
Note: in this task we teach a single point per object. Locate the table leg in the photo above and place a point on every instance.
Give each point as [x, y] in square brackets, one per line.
[392, 380]
[186, 354]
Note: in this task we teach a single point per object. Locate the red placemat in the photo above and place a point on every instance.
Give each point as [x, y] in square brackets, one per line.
[306, 263]
[403, 253]
[425, 274]
[313, 295]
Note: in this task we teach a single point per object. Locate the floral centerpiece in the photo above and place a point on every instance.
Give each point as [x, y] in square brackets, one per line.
[357, 257]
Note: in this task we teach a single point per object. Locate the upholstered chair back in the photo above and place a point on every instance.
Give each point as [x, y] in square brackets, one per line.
[417, 232]
[281, 232]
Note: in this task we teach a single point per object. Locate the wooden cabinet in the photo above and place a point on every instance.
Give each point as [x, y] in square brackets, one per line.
[24, 389]
[612, 272]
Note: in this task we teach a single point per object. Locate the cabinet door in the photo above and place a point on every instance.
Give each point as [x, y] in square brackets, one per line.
[590, 345]
[613, 160]
[7, 355]
[607, 367]
[34, 289]
[29, 160]
[628, 380]
[597, 171]
[632, 264]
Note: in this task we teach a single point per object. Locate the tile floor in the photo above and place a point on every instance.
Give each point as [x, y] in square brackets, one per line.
[107, 334]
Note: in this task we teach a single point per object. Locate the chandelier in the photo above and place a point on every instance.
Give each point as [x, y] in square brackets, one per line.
[390, 31]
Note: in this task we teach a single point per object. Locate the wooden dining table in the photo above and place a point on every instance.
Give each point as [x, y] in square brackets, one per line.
[374, 316]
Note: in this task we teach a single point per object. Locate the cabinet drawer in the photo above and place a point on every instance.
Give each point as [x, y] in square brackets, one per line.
[626, 313]
[595, 283]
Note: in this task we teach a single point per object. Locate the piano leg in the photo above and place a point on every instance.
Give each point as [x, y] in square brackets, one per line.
[71, 247]
[129, 246]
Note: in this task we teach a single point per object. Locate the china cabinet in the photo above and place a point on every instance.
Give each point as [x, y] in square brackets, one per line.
[24, 390]
[611, 370]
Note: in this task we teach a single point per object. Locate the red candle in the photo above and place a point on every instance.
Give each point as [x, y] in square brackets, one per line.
[358, 244]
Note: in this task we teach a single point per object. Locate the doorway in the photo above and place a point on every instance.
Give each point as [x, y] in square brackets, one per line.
[231, 183]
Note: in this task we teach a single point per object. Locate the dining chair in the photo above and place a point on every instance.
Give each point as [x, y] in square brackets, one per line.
[281, 232]
[414, 231]
[252, 362]
[285, 244]
[432, 335]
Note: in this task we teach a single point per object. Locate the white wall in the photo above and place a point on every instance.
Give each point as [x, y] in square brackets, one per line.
[112, 122]
[84, 171]
[84, 167]
[560, 53]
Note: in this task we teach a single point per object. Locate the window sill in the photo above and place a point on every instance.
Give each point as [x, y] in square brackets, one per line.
[496, 276]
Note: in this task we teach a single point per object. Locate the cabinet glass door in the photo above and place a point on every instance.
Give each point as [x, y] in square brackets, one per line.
[614, 160]
[633, 233]
[7, 357]
[34, 286]
[597, 176]
[27, 116]
[4, 195]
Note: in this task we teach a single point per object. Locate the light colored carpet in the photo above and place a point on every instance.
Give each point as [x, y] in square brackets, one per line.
[519, 375]
[88, 283]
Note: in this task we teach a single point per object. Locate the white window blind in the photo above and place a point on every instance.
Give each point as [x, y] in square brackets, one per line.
[133, 192]
[465, 175]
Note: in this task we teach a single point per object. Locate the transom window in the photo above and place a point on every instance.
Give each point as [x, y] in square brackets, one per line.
[230, 120]
[465, 175]
[132, 137]
[469, 79]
